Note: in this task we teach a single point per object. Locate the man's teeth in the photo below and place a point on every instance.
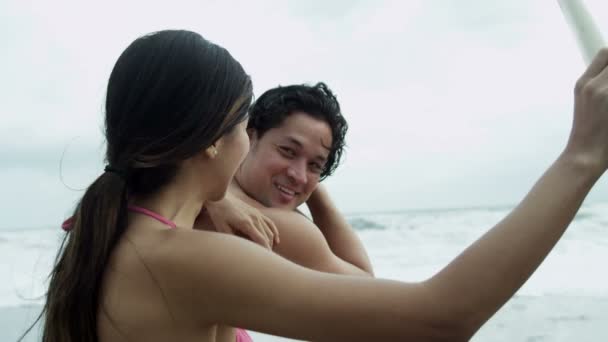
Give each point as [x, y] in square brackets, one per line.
[285, 190]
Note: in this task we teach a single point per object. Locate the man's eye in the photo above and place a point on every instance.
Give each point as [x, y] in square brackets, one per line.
[287, 151]
[316, 168]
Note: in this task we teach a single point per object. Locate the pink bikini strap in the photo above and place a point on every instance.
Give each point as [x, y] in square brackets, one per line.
[67, 224]
[153, 215]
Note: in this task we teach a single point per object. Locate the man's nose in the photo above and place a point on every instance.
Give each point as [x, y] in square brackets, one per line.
[297, 172]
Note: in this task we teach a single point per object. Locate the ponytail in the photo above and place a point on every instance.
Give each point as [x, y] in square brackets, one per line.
[73, 295]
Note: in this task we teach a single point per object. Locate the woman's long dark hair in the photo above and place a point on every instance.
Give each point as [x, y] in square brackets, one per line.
[170, 95]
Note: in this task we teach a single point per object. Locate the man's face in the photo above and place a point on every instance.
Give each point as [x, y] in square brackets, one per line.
[283, 167]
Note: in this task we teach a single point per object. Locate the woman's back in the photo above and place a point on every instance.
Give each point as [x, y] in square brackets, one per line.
[139, 301]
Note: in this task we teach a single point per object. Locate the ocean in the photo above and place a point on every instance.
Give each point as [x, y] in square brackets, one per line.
[565, 300]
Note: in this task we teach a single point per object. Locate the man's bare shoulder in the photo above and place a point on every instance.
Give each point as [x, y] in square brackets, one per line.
[275, 214]
[288, 220]
[301, 241]
[296, 231]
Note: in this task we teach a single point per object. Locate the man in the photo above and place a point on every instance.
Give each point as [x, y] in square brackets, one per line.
[296, 140]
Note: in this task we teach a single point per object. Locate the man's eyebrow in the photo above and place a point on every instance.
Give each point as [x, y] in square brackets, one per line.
[299, 144]
[294, 141]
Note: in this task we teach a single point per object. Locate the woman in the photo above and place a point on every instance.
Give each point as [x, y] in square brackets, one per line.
[133, 269]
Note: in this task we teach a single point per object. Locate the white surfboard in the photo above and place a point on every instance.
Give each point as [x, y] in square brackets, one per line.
[587, 35]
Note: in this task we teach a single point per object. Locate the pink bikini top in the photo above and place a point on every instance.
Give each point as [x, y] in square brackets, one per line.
[241, 334]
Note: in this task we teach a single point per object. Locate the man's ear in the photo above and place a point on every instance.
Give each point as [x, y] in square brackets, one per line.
[253, 136]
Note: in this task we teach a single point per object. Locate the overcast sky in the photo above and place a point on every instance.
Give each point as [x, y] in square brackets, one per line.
[450, 103]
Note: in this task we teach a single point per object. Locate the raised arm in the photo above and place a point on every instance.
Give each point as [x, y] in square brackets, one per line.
[340, 236]
[222, 279]
[479, 281]
[252, 288]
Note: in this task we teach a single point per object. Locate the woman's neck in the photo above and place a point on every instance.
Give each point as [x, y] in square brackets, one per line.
[176, 202]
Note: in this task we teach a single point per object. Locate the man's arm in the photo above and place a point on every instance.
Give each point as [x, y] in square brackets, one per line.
[303, 243]
[339, 234]
[300, 241]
